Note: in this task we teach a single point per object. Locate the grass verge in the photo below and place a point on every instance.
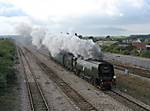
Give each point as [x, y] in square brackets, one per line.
[136, 87]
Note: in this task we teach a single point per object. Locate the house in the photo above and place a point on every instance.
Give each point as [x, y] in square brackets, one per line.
[137, 41]
[138, 45]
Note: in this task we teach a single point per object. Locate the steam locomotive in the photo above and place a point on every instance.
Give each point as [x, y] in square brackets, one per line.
[97, 72]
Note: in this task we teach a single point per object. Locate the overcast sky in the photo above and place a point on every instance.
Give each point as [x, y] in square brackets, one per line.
[87, 17]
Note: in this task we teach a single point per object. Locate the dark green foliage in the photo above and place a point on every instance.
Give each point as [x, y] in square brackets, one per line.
[118, 49]
[146, 54]
[7, 54]
[3, 82]
[128, 50]
[135, 52]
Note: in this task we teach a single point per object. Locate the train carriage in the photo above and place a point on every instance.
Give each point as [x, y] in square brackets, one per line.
[59, 58]
[68, 61]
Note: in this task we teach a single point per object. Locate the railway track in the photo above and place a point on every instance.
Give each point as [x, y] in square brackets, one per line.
[78, 100]
[132, 69]
[119, 96]
[138, 103]
[35, 93]
[125, 99]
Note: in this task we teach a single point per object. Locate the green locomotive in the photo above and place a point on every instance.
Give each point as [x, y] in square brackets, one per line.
[99, 73]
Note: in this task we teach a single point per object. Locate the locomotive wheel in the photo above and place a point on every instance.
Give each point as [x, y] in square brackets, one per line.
[75, 71]
[78, 73]
[81, 75]
[108, 87]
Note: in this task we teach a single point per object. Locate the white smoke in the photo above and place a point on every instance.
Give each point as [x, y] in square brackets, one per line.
[60, 42]
[38, 35]
[24, 29]
[66, 42]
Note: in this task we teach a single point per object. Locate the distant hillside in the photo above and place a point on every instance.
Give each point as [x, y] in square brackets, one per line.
[19, 38]
[139, 36]
[8, 36]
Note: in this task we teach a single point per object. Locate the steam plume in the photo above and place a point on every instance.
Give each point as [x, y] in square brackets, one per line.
[61, 42]
[24, 29]
[38, 35]
[68, 43]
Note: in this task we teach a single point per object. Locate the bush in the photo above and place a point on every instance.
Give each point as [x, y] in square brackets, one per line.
[145, 54]
[7, 53]
[135, 52]
[125, 52]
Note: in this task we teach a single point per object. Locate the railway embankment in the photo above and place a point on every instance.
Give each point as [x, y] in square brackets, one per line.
[9, 86]
[134, 85]
[132, 79]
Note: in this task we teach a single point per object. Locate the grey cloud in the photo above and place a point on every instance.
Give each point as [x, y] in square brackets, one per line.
[97, 24]
[107, 30]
